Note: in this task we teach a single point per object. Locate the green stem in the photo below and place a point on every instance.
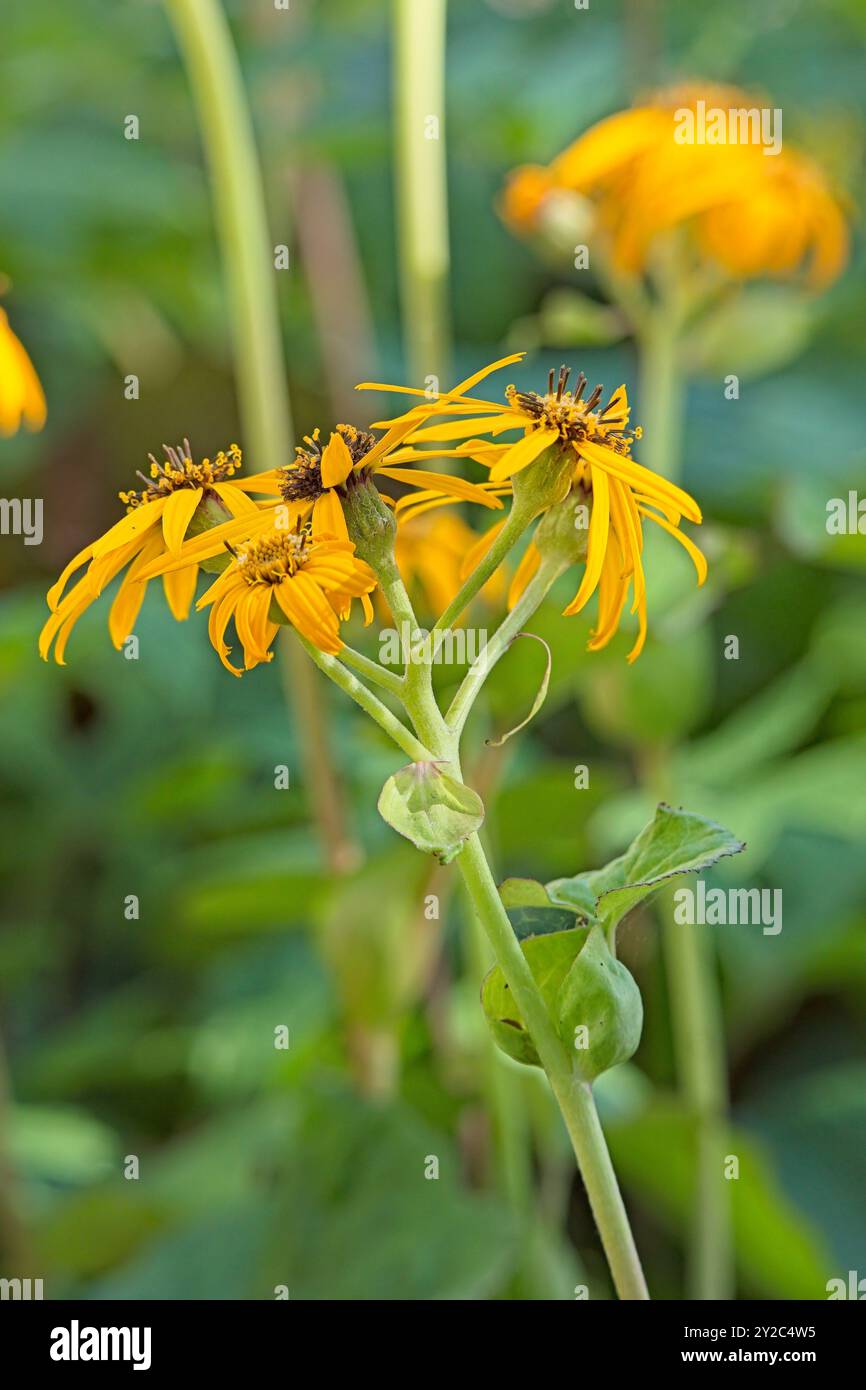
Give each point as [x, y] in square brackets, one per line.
[368, 702]
[227, 132]
[573, 1096]
[661, 395]
[499, 643]
[247, 254]
[421, 175]
[697, 1021]
[379, 675]
[700, 1051]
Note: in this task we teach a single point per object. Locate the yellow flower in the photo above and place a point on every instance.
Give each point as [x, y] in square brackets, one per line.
[21, 394]
[750, 212]
[596, 446]
[308, 579]
[178, 494]
[320, 479]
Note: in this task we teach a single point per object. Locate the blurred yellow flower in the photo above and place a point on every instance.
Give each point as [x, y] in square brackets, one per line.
[309, 580]
[21, 396]
[752, 209]
[178, 495]
[595, 444]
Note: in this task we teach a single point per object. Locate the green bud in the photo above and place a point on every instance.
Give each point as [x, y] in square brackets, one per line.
[599, 1009]
[372, 525]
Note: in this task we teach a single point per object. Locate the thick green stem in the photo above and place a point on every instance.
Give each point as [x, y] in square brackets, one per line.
[227, 132]
[379, 675]
[247, 253]
[698, 1028]
[422, 190]
[700, 1051]
[573, 1096]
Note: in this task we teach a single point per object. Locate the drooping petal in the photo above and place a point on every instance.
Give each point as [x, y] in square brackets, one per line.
[599, 525]
[446, 483]
[525, 571]
[698, 558]
[179, 587]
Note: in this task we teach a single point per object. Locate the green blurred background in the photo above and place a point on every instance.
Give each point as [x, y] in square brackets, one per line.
[154, 1036]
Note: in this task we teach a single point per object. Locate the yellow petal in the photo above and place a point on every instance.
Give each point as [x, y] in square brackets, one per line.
[599, 525]
[328, 518]
[521, 454]
[177, 515]
[179, 589]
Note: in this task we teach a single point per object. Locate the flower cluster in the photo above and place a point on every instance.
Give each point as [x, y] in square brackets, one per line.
[284, 542]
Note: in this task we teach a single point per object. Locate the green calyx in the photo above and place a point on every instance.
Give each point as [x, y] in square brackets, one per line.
[563, 531]
[210, 512]
[545, 482]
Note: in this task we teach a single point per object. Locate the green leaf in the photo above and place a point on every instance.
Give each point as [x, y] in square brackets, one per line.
[600, 1011]
[523, 892]
[432, 809]
[540, 696]
[676, 842]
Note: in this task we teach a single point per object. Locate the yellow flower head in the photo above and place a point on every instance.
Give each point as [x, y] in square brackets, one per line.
[753, 213]
[21, 396]
[179, 495]
[319, 481]
[595, 444]
[308, 580]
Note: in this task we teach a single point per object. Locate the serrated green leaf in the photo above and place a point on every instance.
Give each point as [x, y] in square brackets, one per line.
[675, 842]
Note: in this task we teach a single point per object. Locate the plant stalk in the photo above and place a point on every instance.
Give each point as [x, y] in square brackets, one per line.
[573, 1096]
[422, 189]
[698, 1026]
[227, 131]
